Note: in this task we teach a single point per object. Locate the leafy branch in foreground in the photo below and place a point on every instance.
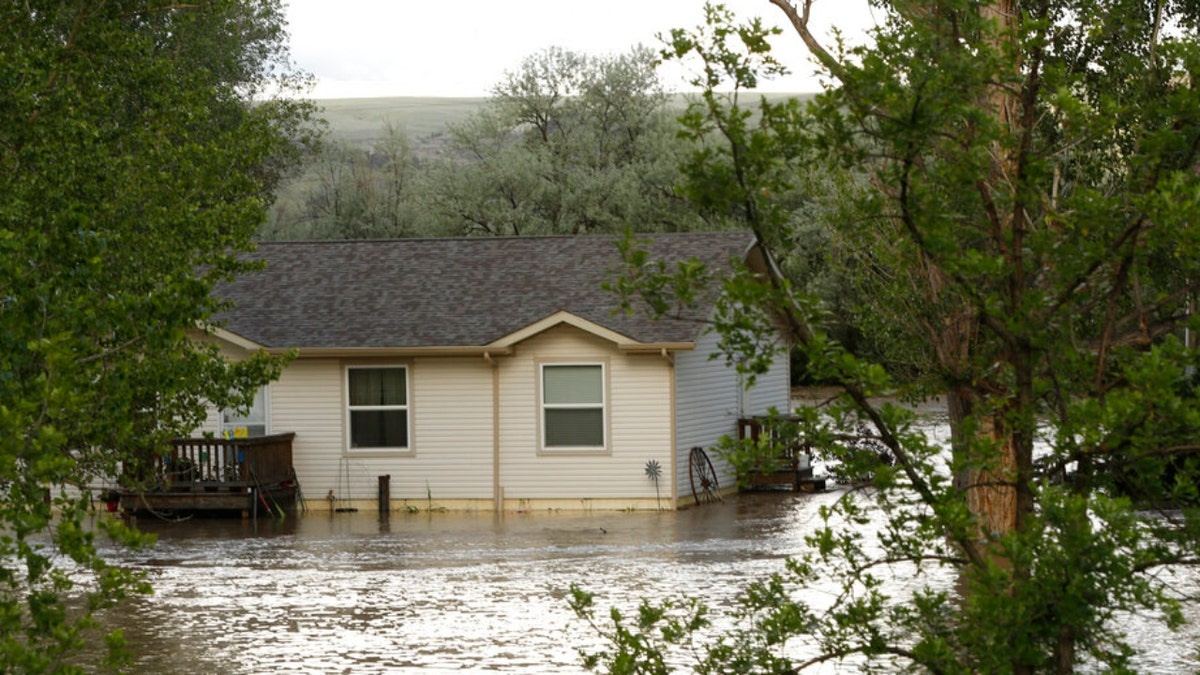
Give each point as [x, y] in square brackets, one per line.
[139, 142]
[1015, 192]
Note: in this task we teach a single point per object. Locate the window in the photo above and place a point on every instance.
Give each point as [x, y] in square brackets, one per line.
[250, 424]
[378, 407]
[573, 406]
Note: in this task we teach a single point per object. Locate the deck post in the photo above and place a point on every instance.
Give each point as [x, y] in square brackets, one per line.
[385, 495]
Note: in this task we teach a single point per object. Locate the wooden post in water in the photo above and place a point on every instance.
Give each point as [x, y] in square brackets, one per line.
[385, 495]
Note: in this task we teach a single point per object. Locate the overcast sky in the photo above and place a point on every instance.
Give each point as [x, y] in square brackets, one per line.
[367, 48]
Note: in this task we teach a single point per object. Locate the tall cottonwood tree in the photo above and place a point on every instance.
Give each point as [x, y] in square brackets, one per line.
[139, 143]
[1021, 180]
[357, 193]
[568, 143]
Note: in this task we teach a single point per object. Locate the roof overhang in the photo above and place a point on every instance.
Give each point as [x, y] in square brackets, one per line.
[623, 342]
[232, 338]
[505, 346]
[393, 352]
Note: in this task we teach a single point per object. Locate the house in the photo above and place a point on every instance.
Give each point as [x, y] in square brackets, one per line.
[487, 373]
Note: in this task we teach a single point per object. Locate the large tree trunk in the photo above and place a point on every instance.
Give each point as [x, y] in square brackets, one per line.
[991, 489]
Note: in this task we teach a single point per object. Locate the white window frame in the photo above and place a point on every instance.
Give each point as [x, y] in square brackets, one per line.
[603, 406]
[348, 410]
[227, 428]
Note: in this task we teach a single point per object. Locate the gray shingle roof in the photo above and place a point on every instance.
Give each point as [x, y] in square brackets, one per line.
[469, 292]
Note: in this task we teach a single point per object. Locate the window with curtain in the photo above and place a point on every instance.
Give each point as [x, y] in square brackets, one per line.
[573, 406]
[378, 407]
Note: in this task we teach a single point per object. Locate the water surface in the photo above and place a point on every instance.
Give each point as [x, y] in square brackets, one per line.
[443, 592]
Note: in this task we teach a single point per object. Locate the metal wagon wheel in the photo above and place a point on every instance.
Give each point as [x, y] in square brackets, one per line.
[704, 477]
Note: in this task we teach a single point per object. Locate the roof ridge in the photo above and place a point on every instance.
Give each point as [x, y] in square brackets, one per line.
[509, 237]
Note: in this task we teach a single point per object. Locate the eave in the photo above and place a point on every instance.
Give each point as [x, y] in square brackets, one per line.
[623, 342]
[505, 346]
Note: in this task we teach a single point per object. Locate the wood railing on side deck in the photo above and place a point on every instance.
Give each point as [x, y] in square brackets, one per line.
[792, 466]
[264, 460]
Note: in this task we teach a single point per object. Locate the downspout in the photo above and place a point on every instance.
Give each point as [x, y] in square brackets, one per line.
[497, 491]
[666, 356]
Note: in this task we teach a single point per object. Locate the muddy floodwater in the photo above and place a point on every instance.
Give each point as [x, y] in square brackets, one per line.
[432, 592]
[444, 592]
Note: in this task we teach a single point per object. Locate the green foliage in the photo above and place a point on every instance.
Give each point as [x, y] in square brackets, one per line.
[139, 143]
[566, 144]
[640, 648]
[352, 192]
[744, 165]
[1014, 199]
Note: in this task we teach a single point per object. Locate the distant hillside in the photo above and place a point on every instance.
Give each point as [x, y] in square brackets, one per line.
[303, 202]
[361, 121]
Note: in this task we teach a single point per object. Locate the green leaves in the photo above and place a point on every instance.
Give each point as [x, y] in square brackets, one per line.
[641, 647]
[1009, 195]
[134, 163]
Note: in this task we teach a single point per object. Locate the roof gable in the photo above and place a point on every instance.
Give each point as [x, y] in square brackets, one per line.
[454, 293]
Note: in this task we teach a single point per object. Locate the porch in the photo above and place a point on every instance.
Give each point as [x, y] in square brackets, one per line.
[216, 474]
[792, 467]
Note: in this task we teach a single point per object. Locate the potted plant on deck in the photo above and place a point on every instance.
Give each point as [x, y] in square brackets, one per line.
[111, 499]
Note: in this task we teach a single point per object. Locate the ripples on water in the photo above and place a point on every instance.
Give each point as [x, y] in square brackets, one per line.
[346, 593]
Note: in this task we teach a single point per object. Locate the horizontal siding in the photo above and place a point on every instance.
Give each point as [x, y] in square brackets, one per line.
[771, 390]
[708, 404]
[452, 432]
[452, 441]
[212, 418]
[451, 435]
[639, 424]
[307, 400]
[710, 399]
[212, 421]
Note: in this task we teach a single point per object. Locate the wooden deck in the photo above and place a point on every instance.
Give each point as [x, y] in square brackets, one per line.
[792, 468]
[240, 475]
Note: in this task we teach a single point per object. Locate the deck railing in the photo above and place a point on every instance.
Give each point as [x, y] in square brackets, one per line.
[264, 460]
[792, 448]
[792, 463]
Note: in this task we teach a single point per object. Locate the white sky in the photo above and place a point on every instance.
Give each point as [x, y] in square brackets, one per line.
[369, 48]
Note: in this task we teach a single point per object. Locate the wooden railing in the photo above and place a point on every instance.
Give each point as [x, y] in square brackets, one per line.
[264, 460]
[792, 463]
[792, 448]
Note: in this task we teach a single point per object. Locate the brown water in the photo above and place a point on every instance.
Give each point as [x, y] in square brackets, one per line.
[433, 592]
[430, 593]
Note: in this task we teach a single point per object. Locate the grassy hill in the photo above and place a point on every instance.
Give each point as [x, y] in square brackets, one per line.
[361, 121]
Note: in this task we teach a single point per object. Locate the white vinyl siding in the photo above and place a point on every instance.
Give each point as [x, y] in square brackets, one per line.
[307, 399]
[710, 398]
[450, 428]
[456, 454]
[638, 424]
[771, 390]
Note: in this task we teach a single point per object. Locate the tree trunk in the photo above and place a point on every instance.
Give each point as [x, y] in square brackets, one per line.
[991, 489]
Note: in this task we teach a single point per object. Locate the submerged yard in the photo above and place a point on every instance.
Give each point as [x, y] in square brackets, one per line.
[437, 592]
[442, 592]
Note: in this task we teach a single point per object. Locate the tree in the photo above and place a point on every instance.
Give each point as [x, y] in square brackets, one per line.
[139, 144]
[567, 144]
[1020, 183]
[355, 193]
